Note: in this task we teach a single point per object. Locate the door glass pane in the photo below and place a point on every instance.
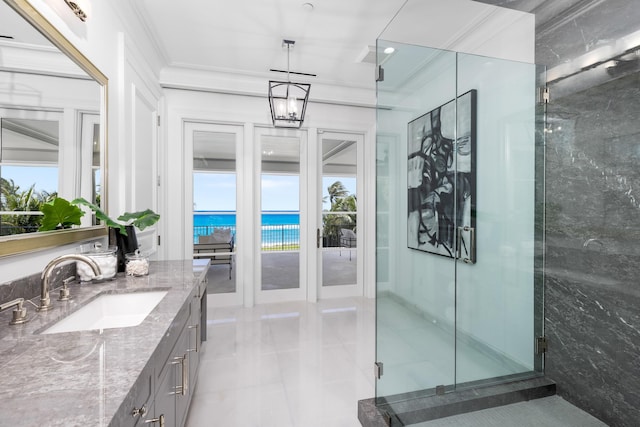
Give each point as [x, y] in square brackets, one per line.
[214, 206]
[414, 244]
[339, 212]
[280, 212]
[496, 166]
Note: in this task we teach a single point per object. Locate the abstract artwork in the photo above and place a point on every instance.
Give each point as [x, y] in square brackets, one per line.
[441, 179]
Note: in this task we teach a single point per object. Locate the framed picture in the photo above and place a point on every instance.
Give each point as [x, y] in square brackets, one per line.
[441, 178]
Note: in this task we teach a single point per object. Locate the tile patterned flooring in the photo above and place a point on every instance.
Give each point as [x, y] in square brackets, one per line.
[286, 364]
[302, 364]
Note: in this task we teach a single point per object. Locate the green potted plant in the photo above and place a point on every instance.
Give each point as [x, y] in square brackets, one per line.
[59, 213]
[121, 231]
[140, 220]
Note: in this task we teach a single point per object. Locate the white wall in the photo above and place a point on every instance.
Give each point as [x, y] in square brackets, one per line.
[113, 39]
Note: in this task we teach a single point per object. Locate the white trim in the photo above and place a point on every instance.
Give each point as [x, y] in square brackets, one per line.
[279, 295]
[357, 289]
[190, 126]
[315, 191]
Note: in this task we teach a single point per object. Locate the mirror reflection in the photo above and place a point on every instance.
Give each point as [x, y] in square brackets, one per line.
[50, 111]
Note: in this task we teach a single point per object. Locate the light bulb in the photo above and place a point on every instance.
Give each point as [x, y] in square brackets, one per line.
[292, 107]
[281, 108]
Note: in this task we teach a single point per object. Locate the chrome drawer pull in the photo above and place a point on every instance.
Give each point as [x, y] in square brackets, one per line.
[160, 419]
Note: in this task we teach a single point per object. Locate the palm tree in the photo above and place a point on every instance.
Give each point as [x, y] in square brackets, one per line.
[12, 199]
[337, 190]
[341, 201]
[8, 188]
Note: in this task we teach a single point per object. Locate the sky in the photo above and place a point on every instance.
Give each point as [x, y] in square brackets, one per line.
[216, 191]
[212, 191]
[45, 178]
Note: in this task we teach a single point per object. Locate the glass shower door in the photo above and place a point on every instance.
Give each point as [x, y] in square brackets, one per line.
[416, 291]
[495, 195]
[456, 275]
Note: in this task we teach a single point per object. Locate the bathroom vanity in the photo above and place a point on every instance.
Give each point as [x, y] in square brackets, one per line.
[140, 375]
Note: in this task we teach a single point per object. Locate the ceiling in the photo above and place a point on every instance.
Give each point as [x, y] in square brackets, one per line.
[333, 37]
[245, 37]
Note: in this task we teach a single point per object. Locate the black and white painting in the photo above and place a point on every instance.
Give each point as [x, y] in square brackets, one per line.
[441, 179]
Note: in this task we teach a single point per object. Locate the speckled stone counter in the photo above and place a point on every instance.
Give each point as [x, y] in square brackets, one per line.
[82, 378]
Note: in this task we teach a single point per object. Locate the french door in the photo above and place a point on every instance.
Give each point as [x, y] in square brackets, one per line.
[308, 246]
[338, 217]
[286, 207]
[280, 215]
[218, 228]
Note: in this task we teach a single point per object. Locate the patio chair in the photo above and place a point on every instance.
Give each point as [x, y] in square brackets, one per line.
[218, 246]
[348, 239]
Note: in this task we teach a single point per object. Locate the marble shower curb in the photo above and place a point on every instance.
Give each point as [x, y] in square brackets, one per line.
[422, 409]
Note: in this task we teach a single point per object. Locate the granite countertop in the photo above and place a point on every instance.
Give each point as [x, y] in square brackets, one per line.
[81, 378]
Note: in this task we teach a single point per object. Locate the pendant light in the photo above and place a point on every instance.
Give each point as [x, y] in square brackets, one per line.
[288, 100]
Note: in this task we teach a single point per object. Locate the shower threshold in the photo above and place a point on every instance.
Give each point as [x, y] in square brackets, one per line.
[412, 410]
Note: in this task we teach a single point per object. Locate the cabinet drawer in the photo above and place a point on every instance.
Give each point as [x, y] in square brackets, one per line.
[138, 402]
[165, 348]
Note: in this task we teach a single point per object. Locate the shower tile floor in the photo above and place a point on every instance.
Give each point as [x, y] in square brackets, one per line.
[302, 364]
[419, 354]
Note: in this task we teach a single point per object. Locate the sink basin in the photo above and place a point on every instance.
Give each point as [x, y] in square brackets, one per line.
[109, 311]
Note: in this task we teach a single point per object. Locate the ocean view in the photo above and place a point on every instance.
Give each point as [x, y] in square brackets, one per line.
[278, 228]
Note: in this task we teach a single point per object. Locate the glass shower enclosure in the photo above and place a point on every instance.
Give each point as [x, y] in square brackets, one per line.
[460, 155]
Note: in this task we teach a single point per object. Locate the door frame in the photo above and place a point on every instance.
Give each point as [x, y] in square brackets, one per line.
[356, 289]
[189, 126]
[280, 295]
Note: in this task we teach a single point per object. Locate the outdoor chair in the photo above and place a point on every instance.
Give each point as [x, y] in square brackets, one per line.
[348, 239]
[218, 246]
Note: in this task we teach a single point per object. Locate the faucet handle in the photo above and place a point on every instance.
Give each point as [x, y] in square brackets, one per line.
[19, 313]
[64, 291]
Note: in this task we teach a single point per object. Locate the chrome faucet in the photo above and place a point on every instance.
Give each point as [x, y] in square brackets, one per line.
[45, 301]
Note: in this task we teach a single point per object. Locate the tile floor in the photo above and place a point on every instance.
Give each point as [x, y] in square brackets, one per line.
[301, 364]
[552, 411]
[288, 364]
[281, 270]
[418, 354]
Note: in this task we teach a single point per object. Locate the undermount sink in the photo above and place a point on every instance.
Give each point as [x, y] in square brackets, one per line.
[109, 311]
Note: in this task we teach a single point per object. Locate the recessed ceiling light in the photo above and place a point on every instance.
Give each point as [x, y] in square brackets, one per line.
[308, 6]
[389, 50]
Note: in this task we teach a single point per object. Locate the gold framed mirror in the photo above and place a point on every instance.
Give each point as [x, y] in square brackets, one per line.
[53, 123]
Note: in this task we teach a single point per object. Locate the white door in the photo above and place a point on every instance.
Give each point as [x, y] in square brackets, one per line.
[280, 216]
[339, 219]
[219, 217]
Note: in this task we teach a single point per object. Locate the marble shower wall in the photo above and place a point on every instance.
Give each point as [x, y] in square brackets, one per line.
[592, 266]
[592, 286]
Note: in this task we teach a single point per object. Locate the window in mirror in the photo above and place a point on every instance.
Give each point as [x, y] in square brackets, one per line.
[28, 169]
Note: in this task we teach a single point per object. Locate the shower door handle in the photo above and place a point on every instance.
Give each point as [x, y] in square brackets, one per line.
[472, 244]
[318, 238]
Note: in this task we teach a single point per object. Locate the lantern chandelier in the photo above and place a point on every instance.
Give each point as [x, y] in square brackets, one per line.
[288, 100]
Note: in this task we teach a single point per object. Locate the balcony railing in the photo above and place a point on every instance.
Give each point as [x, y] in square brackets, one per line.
[286, 237]
[279, 237]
